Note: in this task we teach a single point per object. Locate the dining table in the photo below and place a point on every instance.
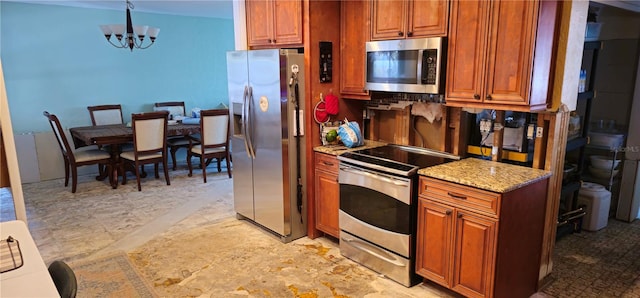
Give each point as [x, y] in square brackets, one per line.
[23, 271]
[114, 136]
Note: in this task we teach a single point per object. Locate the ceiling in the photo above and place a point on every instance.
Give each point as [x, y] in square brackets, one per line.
[200, 8]
[632, 5]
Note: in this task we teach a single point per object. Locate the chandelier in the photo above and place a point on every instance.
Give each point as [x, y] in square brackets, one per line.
[129, 41]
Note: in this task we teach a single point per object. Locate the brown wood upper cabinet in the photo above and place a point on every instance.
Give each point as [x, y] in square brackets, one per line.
[273, 23]
[398, 19]
[499, 54]
[354, 34]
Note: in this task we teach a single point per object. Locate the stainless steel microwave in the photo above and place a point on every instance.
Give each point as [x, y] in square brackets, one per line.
[407, 65]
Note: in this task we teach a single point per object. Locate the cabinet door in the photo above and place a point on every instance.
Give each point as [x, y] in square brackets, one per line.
[466, 54]
[259, 16]
[287, 20]
[474, 254]
[327, 196]
[428, 18]
[433, 248]
[354, 33]
[388, 19]
[510, 56]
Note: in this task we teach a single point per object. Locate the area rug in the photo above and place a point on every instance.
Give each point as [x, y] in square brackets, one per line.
[235, 258]
[109, 276]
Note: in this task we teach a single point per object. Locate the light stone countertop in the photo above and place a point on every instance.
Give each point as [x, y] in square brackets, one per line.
[483, 174]
[339, 149]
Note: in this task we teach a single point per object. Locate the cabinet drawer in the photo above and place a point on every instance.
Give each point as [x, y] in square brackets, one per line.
[326, 162]
[461, 196]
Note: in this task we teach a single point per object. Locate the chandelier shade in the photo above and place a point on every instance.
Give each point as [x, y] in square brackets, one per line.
[129, 36]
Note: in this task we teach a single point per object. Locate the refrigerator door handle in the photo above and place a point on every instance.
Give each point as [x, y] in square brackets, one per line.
[244, 120]
[249, 135]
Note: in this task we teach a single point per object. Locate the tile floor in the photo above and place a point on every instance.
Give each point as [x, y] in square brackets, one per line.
[98, 220]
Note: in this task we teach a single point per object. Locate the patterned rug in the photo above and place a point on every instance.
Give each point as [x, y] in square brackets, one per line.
[109, 276]
[235, 258]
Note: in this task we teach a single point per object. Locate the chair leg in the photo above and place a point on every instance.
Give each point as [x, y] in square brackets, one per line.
[122, 170]
[165, 166]
[189, 165]
[173, 150]
[204, 168]
[138, 176]
[74, 179]
[66, 172]
[228, 165]
[219, 159]
[155, 168]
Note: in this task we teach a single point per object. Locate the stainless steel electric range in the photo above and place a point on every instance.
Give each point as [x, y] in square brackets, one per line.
[378, 207]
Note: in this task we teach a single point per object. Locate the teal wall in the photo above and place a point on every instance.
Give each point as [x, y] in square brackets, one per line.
[55, 58]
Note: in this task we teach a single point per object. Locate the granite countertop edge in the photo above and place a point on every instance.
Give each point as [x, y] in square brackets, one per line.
[339, 149]
[491, 176]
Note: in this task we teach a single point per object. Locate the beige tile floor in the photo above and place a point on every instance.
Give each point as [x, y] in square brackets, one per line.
[98, 220]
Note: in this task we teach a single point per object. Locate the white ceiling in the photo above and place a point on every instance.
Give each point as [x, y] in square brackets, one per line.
[200, 8]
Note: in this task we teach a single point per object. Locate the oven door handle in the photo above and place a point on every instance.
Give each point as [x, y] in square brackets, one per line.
[375, 176]
[374, 251]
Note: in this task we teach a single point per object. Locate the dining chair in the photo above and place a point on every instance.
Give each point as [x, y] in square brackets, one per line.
[64, 278]
[213, 141]
[149, 144]
[175, 108]
[105, 114]
[73, 159]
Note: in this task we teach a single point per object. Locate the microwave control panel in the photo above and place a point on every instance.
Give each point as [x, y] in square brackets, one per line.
[429, 66]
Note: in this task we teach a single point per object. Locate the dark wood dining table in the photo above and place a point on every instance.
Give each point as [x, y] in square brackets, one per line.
[115, 135]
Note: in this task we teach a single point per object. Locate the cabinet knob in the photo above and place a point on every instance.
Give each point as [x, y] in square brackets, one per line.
[459, 215]
[400, 33]
[269, 40]
[409, 34]
[476, 96]
[489, 97]
[448, 212]
[274, 41]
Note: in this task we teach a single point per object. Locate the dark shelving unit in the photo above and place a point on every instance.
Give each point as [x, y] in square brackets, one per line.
[570, 214]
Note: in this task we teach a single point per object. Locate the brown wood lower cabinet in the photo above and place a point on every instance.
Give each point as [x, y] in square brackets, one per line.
[327, 194]
[480, 252]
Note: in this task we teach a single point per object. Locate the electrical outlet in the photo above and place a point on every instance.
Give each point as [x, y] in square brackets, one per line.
[530, 130]
[539, 131]
[485, 125]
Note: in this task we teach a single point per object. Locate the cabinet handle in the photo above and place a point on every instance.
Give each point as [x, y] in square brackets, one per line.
[448, 212]
[409, 34]
[326, 163]
[457, 196]
[400, 33]
[489, 97]
[476, 96]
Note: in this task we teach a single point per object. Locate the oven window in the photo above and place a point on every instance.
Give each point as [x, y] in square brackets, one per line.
[375, 208]
[393, 67]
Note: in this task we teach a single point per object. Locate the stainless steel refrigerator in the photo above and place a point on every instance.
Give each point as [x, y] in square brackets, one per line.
[268, 157]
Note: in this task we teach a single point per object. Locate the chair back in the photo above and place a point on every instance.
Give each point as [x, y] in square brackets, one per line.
[149, 132]
[106, 114]
[214, 128]
[175, 108]
[64, 279]
[60, 136]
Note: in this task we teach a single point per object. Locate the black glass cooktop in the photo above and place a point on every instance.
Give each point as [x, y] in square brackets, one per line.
[404, 160]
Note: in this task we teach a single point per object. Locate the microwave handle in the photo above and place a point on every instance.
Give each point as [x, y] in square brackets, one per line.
[419, 73]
